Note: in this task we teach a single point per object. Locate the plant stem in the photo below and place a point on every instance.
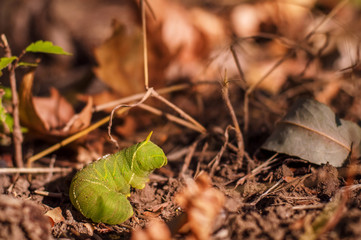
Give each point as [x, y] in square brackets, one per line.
[17, 135]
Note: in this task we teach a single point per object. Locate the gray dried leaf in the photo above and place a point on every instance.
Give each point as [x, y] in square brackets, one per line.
[313, 132]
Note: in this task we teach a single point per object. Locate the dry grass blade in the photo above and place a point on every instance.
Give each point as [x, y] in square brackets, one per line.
[70, 139]
[34, 170]
[189, 156]
[217, 158]
[138, 96]
[17, 134]
[258, 169]
[152, 92]
[170, 117]
[145, 97]
[179, 111]
[240, 142]
[145, 49]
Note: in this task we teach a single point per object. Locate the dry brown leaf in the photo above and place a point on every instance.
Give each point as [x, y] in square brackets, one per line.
[273, 82]
[190, 34]
[55, 215]
[120, 60]
[202, 204]
[288, 16]
[51, 115]
[329, 92]
[156, 230]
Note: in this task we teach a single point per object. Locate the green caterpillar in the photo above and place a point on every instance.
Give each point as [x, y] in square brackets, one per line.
[100, 190]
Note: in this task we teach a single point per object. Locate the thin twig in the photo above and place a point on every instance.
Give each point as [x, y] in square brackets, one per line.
[150, 10]
[145, 97]
[152, 92]
[200, 160]
[170, 117]
[34, 170]
[173, 156]
[257, 170]
[138, 96]
[49, 194]
[239, 68]
[17, 134]
[308, 207]
[71, 138]
[218, 157]
[263, 195]
[51, 165]
[188, 158]
[240, 142]
[145, 50]
[180, 111]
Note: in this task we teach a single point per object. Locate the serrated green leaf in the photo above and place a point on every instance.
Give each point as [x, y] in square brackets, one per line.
[45, 47]
[26, 64]
[5, 61]
[313, 132]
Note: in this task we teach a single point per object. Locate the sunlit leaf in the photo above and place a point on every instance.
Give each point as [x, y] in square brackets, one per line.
[50, 116]
[119, 59]
[6, 122]
[313, 132]
[45, 47]
[5, 61]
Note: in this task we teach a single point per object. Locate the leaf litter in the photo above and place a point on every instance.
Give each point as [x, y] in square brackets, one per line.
[310, 130]
[280, 198]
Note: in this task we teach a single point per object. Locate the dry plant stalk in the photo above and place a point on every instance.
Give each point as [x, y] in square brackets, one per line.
[17, 135]
[34, 170]
[240, 142]
[120, 109]
[151, 92]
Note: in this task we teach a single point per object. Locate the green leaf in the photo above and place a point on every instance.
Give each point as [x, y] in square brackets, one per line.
[45, 47]
[5, 61]
[7, 96]
[313, 132]
[26, 64]
[6, 120]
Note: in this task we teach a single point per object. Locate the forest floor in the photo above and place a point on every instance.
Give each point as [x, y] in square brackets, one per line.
[227, 73]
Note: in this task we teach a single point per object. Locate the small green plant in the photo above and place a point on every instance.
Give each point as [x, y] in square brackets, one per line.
[100, 190]
[12, 62]
[37, 47]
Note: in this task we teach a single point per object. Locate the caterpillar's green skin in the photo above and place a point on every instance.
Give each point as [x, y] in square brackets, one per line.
[100, 190]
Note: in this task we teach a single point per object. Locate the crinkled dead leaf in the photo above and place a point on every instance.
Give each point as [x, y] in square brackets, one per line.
[155, 230]
[202, 204]
[55, 216]
[289, 17]
[120, 61]
[191, 34]
[51, 115]
[313, 132]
